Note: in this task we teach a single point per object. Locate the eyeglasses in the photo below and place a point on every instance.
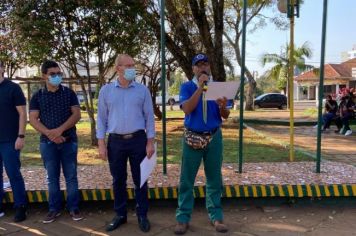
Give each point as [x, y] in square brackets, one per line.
[128, 66]
[54, 74]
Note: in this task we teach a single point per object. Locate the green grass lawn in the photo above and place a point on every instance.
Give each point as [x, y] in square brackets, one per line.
[256, 149]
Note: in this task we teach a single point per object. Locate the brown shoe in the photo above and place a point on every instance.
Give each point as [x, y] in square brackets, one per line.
[220, 226]
[181, 228]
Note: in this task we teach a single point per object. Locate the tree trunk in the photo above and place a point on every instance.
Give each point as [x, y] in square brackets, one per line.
[212, 41]
[179, 42]
[157, 111]
[89, 108]
[249, 95]
[251, 81]
[94, 140]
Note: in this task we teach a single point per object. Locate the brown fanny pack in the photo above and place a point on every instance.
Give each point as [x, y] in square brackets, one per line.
[198, 140]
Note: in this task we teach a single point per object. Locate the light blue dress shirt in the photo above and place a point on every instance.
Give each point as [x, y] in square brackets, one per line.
[125, 110]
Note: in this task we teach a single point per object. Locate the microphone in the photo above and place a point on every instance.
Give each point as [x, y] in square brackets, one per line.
[205, 87]
[205, 83]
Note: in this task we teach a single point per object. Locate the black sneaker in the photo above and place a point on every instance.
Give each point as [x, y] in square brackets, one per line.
[76, 216]
[51, 216]
[20, 214]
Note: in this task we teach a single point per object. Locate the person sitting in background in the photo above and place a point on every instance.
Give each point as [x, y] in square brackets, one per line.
[330, 112]
[346, 112]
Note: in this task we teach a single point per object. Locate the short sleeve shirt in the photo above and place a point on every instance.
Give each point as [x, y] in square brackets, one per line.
[55, 109]
[194, 121]
[11, 96]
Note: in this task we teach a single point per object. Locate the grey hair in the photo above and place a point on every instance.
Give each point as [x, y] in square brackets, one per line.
[119, 58]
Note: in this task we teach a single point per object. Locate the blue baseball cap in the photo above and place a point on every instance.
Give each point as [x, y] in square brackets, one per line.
[199, 57]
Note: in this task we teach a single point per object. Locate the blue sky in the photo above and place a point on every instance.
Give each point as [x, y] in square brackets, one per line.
[341, 33]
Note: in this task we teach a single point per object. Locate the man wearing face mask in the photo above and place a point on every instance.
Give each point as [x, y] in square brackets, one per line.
[125, 112]
[54, 111]
[202, 122]
[12, 140]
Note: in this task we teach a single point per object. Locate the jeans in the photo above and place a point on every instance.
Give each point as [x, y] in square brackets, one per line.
[119, 151]
[327, 118]
[53, 156]
[10, 158]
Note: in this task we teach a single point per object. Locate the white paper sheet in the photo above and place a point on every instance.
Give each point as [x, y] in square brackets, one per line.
[147, 166]
[222, 89]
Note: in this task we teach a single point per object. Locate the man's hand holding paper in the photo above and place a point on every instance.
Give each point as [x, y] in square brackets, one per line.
[147, 166]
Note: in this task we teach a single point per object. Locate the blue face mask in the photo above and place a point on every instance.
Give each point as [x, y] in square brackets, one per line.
[130, 74]
[55, 80]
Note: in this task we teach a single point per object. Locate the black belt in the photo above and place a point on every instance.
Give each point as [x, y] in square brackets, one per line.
[127, 136]
[211, 132]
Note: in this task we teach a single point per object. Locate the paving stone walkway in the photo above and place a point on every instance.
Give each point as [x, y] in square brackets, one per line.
[277, 173]
[335, 147]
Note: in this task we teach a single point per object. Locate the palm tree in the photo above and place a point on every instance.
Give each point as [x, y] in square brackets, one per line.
[279, 71]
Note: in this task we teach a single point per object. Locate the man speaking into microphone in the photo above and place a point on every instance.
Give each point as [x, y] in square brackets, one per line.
[202, 141]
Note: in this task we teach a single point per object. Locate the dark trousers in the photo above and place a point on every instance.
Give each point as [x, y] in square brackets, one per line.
[344, 121]
[119, 151]
[10, 158]
[327, 118]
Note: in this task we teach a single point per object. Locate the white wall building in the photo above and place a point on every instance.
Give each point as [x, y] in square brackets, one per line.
[349, 54]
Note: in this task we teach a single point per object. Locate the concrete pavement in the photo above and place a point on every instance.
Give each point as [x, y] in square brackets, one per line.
[244, 217]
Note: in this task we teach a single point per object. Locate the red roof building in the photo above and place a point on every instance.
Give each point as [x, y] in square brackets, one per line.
[336, 76]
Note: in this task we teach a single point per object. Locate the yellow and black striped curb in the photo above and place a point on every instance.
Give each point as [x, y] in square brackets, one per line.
[233, 191]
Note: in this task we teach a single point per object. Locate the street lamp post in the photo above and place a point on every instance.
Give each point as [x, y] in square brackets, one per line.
[291, 7]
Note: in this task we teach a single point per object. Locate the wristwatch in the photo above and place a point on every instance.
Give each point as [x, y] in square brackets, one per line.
[21, 136]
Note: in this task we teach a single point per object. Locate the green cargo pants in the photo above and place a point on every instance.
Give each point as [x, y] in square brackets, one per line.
[191, 159]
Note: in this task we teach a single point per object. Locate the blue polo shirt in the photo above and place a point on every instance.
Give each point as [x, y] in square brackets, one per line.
[194, 121]
[55, 109]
